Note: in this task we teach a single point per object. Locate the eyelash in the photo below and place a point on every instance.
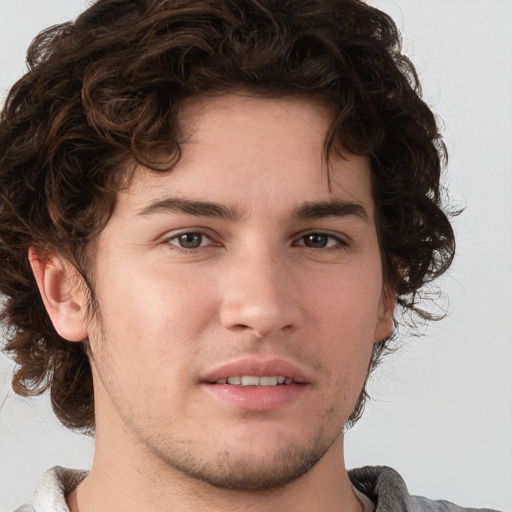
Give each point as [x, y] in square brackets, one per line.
[338, 244]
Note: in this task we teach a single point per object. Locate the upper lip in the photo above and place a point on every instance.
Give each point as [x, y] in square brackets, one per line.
[256, 367]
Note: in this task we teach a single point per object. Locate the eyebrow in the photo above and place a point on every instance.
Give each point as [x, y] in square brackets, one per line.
[309, 210]
[191, 207]
[340, 208]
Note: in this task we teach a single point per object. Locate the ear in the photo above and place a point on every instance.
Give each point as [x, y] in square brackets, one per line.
[63, 297]
[386, 310]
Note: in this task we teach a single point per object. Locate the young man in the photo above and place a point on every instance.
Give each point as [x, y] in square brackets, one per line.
[209, 211]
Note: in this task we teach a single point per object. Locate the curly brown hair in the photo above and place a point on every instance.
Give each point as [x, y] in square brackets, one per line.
[106, 90]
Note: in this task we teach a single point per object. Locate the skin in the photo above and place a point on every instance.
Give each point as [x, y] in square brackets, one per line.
[272, 278]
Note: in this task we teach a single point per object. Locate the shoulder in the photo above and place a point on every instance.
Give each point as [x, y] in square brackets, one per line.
[387, 489]
[50, 494]
[25, 508]
[420, 504]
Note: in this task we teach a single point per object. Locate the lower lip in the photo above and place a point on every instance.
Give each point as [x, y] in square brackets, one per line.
[257, 398]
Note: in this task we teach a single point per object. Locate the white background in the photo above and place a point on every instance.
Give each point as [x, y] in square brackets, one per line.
[442, 413]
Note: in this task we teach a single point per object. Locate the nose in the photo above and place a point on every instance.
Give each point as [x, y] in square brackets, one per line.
[259, 296]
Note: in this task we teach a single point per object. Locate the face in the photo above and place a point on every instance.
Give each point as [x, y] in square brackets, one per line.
[240, 297]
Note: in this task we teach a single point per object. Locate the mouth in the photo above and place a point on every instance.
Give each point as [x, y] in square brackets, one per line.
[254, 380]
[257, 385]
[256, 372]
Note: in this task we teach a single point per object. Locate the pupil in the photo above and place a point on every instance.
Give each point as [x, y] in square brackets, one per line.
[190, 240]
[316, 241]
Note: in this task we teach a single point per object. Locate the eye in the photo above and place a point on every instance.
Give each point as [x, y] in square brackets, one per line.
[190, 240]
[320, 241]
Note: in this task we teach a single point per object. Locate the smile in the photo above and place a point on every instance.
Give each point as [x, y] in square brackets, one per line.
[253, 380]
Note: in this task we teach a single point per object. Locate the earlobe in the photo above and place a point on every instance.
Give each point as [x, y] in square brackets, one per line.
[385, 322]
[62, 296]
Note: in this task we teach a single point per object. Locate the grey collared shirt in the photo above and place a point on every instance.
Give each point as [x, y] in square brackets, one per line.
[382, 485]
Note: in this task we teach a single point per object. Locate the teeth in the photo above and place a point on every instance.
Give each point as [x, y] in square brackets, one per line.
[253, 380]
[267, 381]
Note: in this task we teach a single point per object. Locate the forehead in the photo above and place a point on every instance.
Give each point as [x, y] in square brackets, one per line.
[202, 113]
[250, 150]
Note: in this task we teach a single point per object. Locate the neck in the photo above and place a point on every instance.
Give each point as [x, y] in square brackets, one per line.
[121, 479]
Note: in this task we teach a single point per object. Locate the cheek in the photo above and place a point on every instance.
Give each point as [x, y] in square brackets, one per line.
[346, 316]
[348, 360]
[152, 316]
[348, 304]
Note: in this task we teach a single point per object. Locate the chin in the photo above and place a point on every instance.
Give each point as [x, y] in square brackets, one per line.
[257, 464]
[255, 474]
